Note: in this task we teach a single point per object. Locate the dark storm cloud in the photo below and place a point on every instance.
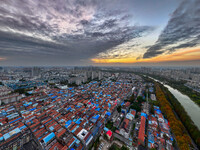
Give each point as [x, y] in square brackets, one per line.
[15, 43]
[182, 30]
[193, 43]
[76, 29]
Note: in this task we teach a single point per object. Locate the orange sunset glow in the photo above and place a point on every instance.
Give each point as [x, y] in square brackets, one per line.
[183, 55]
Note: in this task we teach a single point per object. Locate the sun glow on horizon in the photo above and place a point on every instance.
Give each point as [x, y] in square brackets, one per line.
[182, 55]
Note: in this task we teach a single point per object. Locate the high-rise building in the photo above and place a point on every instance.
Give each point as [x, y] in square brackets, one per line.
[100, 75]
[36, 71]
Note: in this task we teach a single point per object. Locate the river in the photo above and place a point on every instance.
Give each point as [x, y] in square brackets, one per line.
[192, 109]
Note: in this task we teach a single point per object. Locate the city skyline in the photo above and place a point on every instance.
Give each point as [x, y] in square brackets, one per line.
[100, 33]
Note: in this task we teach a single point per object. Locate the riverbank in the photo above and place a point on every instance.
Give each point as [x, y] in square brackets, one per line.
[193, 95]
[182, 115]
[192, 109]
[176, 126]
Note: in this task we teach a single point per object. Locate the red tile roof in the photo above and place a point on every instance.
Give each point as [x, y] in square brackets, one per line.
[109, 133]
[142, 129]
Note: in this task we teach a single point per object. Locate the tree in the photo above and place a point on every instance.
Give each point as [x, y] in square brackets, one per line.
[173, 143]
[96, 143]
[105, 137]
[72, 85]
[119, 108]
[124, 148]
[152, 109]
[165, 136]
[175, 125]
[20, 91]
[136, 106]
[140, 99]
[114, 147]
[52, 84]
[64, 82]
[22, 80]
[132, 98]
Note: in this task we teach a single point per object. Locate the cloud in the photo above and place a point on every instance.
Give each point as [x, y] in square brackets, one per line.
[131, 48]
[139, 57]
[78, 29]
[182, 30]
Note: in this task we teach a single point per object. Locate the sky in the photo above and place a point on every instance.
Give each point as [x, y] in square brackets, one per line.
[99, 32]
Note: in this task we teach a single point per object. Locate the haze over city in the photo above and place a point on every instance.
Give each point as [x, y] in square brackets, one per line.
[99, 32]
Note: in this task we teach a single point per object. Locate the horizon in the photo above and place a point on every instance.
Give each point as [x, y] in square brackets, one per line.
[93, 66]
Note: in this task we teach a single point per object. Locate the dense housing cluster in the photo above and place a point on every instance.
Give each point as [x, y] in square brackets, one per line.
[70, 118]
[115, 110]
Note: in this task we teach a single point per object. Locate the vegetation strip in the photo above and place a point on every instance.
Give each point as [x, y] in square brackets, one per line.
[180, 111]
[177, 127]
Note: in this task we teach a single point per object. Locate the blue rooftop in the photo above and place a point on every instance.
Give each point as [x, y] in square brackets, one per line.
[68, 123]
[23, 127]
[108, 113]
[96, 117]
[49, 137]
[68, 108]
[6, 136]
[105, 129]
[143, 114]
